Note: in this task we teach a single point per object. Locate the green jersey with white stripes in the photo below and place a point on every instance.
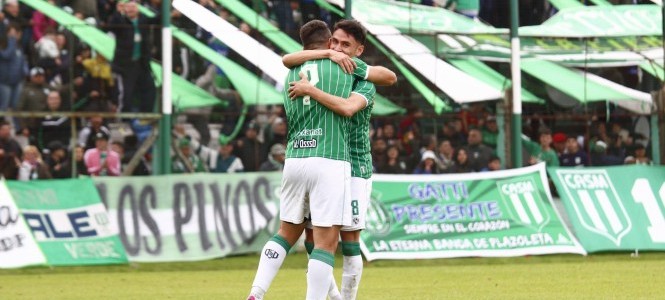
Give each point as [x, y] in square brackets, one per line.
[360, 151]
[313, 129]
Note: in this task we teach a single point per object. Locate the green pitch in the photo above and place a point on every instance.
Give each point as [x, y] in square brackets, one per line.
[608, 276]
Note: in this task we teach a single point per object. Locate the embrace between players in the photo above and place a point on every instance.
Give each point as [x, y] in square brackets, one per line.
[326, 179]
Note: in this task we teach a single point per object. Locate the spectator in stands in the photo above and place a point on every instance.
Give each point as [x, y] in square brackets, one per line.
[428, 164]
[444, 155]
[394, 164]
[102, 161]
[275, 160]
[48, 54]
[54, 127]
[131, 60]
[32, 166]
[119, 147]
[250, 150]
[478, 154]
[599, 156]
[13, 68]
[33, 97]
[56, 160]
[81, 168]
[15, 14]
[98, 83]
[225, 161]
[41, 23]
[542, 151]
[87, 134]
[130, 147]
[10, 152]
[25, 137]
[188, 162]
[411, 123]
[641, 157]
[574, 156]
[490, 132]
[83, 8]
[559, 142]
[450, 132]
[275, 132]
[389, 135]
[462, 162]
[379, 155]
[473, 117]
[493, 165]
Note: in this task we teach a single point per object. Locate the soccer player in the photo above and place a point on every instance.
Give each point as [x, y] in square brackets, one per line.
[349, 38]
[290, 230]
[317, 169]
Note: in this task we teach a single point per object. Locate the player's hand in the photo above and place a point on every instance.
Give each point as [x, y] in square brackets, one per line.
[300, 87]
[344, 61]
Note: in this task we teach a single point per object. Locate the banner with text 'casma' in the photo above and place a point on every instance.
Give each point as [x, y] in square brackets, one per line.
[615, 208]
[17, 246]
[192, 217]
[491, 214]
[68, 221]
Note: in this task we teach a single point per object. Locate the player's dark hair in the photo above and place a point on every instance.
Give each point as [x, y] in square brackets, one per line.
[353, 28]
[314, 35]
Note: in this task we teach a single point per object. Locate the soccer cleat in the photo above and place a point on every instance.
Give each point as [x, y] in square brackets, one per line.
[251, 297]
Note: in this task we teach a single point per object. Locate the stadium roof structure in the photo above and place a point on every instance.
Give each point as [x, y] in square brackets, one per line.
[185, 94]
[545, 52]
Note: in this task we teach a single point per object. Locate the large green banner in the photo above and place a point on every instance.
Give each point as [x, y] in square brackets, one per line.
[194, 216]
[503, 213]
[615, 208]
[68, 221]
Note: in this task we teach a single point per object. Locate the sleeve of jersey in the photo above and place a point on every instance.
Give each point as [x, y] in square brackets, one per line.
[362, 69]
[367, 90]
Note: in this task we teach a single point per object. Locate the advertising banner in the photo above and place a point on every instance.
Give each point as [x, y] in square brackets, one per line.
[193, 216]
[68, 221]
[17, 246]
[491, 214]
[615, 208]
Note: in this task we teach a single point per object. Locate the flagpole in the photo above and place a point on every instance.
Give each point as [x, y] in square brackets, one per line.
[516, 120]
[163, 153]
[347, 9]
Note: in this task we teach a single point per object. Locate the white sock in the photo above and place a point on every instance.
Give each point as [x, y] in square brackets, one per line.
[273, 255]
[319, 274]
[333, 291]
[353, 270]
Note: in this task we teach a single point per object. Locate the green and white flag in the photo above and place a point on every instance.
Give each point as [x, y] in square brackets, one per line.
[68, 221]
[194, 216]
[615, 208]
[491, 214]
[17, 246]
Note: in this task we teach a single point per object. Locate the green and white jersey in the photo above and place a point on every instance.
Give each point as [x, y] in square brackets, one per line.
[360, 151]
[313, 129]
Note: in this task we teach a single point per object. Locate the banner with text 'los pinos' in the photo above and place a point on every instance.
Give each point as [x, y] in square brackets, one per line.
[17, 247]
[68, 221]
[615, 208]
[491, 214]
[192, 217]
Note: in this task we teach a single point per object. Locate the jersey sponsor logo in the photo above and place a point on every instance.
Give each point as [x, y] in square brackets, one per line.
[310, 132]
[271, 254]
[302, 143]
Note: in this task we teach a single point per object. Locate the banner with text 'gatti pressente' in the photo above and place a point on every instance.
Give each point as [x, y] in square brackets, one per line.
[615, 208]
[68, 221]
[192, 217]
[490, 214]
[17, 247]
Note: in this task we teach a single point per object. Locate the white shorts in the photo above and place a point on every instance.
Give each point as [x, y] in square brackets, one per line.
[317, 188]
[361, 189]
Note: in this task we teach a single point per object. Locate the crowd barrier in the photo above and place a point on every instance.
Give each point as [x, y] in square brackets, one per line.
[115, 220]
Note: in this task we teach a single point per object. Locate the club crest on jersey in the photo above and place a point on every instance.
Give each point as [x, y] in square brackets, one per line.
[302, 143]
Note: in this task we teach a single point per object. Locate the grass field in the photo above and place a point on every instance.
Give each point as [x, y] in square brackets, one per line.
[607, 276]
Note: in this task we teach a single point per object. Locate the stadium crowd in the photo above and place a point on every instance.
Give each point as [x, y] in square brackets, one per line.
[45, 68]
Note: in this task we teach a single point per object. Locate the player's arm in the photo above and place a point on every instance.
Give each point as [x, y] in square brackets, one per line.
[343, 107]
[299, 58]
[381, 76]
